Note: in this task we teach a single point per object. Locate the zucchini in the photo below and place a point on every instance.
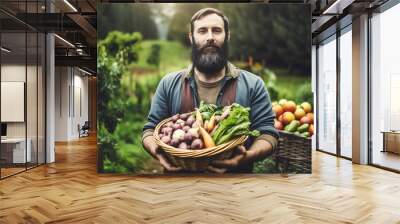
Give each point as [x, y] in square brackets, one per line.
[303, 128]
[292, 127]
[305, 134]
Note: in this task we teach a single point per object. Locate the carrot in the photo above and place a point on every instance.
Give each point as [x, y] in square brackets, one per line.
[211, 123]
[208, 141]
[199, 118]
[206, 125]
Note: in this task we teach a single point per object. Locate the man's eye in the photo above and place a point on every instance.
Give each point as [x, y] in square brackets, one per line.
[202, 31]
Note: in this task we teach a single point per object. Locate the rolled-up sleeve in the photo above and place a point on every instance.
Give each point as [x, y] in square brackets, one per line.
[261, 113]
[159, 109]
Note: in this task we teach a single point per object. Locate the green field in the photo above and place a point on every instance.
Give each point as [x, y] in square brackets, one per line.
[173, 56]
[288, 85]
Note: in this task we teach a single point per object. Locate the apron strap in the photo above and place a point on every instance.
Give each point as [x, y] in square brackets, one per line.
[187, 103]
[230, 93]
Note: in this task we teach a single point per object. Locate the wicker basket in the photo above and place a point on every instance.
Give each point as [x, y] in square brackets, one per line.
[193, 160]
[294, 153]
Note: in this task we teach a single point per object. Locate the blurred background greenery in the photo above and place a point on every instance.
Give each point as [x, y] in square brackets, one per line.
[139, 43]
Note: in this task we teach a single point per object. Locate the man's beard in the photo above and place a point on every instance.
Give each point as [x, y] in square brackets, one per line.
[209, 59]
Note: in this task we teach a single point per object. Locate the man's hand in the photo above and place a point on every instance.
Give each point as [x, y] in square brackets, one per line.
[221, 166]
[151, 146]
[260, 149]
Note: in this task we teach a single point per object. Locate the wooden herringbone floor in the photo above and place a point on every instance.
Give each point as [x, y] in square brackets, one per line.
[70, 191]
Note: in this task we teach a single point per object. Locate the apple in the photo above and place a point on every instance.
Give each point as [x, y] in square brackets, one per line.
[282, 102]
[289, 106]
[299, 113]
[306, 106]
[274, 103]
[311, 129]
[305, 120]
[278, 125]
[311, 116]
[287, 117]
[278, 109]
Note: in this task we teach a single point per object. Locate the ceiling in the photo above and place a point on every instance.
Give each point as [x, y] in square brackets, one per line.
[74, 22]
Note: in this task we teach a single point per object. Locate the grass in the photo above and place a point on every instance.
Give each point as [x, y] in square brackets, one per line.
[173, 56]
[288, 84]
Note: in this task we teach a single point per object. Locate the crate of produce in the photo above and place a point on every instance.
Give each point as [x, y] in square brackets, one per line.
[294, 153]
[295, 124]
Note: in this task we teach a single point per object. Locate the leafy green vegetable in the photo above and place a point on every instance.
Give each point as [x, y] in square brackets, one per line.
[206, 115]
[207, 110]
[204, 107]
[236, 124]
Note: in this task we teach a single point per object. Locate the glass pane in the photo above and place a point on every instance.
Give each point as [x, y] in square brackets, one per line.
[386, 89]
[31, 97]
[346, 94]
[327, 96]
[41, 99]
[13, 87]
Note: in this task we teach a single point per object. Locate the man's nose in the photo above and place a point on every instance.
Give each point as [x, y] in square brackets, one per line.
[210, 37]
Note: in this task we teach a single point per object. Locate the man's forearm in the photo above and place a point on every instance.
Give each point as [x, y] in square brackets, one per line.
[150, 145]
[146, 133]
[260, 149]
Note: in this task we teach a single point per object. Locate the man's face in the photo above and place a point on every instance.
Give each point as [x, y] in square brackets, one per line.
[209, 44]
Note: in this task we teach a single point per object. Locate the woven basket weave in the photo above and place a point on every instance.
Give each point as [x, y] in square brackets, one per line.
[294, 152]
[196, 160]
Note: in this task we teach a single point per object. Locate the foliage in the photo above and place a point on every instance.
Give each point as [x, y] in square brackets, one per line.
[173, 56]
[180, 22]
[119, 130]
[126, 18]
[154, 57]
[304, 93]
[268, 165]
[117, 41]
[276, 35]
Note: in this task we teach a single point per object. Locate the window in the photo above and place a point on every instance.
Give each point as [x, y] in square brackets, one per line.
[327, 96]
[346, 93]
[385, 86]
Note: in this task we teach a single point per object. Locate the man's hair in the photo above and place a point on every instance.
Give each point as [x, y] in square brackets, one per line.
[207, 11]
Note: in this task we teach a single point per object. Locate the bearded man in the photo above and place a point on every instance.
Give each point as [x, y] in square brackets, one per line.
[213, 79]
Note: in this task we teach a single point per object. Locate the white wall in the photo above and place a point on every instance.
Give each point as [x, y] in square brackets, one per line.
[62, 81]
[71, 94]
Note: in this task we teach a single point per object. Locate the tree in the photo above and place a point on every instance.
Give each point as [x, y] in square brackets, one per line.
[126, 18]
[275, 35]
[154, 57]
[180, 22]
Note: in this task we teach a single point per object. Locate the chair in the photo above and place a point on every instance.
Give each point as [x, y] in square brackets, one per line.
[84, 130]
